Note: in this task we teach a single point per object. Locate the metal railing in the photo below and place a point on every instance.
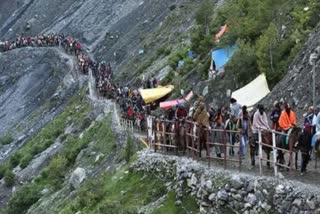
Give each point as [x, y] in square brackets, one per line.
[275, 149]
[162, 136]
[221, 139]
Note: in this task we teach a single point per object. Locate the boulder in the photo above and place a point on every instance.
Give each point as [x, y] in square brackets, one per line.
[77, 177]
[252, 199]
[223, 195]
[178, 203]
[236, 182]
[212, 197]
[250, 187]
[311, 204]
[280, 189]
[297, 202]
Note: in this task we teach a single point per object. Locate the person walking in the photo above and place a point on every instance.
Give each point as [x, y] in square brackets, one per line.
[201, 117]
[244, 126]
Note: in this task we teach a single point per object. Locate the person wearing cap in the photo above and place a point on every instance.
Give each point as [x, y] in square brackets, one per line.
[287, 118]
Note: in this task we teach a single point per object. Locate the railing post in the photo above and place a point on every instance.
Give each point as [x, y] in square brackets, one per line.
[225, 150]
[155, 135]
[291, 154]
[193, 139]
[164, 127]
[208, 148]
[274, 148]
[199, 143]
[240, 159]
[260, 151]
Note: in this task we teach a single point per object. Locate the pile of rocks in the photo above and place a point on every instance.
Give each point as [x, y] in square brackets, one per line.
[218, 191]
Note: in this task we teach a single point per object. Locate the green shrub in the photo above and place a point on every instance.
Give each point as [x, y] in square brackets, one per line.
[48, 143]
[168, 78]
[7, 139]
[244, 64]
[163, 51]
[87, 197]
[175, 57]
[15, 159]
[55, 172]
[3, 169]
[9, 178]
[25, 160]
[129, 150]
[23, 199]
[85, 123]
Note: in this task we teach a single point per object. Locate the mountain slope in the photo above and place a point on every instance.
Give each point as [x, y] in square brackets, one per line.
[296, 86]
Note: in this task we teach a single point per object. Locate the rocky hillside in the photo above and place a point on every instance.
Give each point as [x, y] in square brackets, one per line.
[296, 86]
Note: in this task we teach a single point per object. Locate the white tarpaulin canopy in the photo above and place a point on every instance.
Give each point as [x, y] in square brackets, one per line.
[252, 93]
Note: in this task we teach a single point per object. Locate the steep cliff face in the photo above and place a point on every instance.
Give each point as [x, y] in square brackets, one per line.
[29, 78]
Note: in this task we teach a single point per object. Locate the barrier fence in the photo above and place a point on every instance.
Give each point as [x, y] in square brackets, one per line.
[190, 138]
[219, 144]
[221, 141]
[262, 145]
[127, 124]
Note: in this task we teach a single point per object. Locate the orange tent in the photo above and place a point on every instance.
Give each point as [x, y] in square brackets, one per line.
[223, 30]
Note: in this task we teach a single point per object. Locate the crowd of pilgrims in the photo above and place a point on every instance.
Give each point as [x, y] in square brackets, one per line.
[234, 117]
[51, 40]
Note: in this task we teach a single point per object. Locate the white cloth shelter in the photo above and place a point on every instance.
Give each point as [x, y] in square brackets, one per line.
[253, 92]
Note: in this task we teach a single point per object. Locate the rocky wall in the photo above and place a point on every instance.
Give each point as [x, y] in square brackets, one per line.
[218, 191]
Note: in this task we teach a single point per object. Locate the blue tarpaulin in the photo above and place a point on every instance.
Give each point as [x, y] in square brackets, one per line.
[223, 55]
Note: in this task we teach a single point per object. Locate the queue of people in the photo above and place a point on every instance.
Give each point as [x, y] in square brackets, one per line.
[51, 40]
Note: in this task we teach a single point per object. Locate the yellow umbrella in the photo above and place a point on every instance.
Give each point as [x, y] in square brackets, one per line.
[151, 95]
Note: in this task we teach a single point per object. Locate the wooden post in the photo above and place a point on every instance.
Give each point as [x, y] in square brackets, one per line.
[291, 153]
[225, 150]
[208, 148]
[192, 140]
[260, 151]
[240, 160]
[199, 143]
[274, 148]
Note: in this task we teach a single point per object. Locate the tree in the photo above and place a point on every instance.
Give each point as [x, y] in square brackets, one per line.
[243, 63]
[203, 16]
[266, 48]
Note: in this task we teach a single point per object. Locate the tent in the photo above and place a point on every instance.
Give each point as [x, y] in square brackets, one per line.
[223, 30]
[169, 104]
[252, 93]
[223, 55]
[154, 94]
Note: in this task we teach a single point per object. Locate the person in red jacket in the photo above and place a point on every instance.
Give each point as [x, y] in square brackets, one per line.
[130, 113]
